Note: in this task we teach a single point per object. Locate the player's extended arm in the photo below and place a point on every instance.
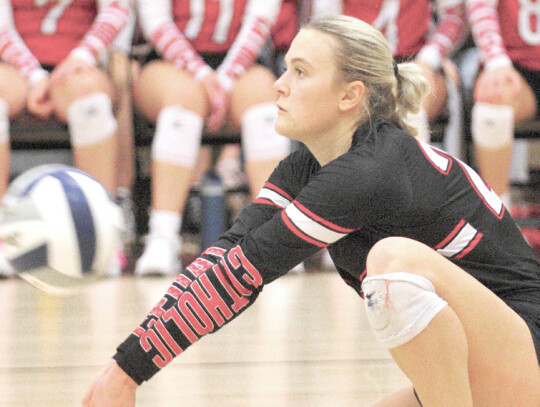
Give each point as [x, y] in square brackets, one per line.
[13, 50]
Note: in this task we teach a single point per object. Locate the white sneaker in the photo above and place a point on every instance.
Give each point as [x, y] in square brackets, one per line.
[161, 257]
[6, 269]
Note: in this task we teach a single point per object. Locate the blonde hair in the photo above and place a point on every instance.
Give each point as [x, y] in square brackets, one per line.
[363, 54]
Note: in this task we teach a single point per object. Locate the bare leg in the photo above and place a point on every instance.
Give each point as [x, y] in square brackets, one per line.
[476, 334]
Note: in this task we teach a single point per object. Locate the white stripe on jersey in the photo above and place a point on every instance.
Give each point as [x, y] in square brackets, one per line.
[459, 242]
[311, 228]
[267, 193]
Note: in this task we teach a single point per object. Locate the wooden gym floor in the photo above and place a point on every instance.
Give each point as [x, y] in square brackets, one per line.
[305, 342]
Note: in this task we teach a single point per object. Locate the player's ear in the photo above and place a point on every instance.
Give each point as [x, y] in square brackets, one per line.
[352, 96]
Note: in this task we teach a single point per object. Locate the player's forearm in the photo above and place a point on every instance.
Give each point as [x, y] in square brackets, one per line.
[450, 32]
[108, 24]
[209, 293]
[484, 23]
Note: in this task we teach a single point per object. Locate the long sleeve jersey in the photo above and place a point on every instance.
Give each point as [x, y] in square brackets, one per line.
[387, 184]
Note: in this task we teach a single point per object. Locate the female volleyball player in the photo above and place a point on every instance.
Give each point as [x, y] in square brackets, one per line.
[451, 287]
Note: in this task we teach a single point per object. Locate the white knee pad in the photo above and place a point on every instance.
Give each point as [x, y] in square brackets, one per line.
[399, 306]
[91, 119]
[178, 136]
[260, 141]
[492, 125]
[4, 121]
[420, 121]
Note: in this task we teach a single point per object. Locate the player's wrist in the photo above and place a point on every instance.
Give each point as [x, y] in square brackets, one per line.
[120, 377]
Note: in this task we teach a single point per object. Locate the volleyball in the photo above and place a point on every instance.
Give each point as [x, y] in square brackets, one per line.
[59, 227]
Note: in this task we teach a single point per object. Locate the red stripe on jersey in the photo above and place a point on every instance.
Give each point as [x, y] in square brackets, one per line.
[470, 246]
[266, 202]
[298, 233]
[278, 190]
[320, 220]
[452, 234]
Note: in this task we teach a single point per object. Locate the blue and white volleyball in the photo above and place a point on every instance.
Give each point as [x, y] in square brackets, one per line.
[59, 227]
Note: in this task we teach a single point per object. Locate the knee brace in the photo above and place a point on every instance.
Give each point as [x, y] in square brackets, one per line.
[91, 120]
[399, 306]
[492, 125]
[4, 121]
[260, 141]
[178, 136]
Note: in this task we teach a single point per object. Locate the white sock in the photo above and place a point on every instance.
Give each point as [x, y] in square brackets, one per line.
[164, 223]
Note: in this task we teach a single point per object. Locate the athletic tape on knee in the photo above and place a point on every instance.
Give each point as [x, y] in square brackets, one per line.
[492, 125]
[4, 121]
[178, 136]
[260, 141]
[91, 119]
[399, 306]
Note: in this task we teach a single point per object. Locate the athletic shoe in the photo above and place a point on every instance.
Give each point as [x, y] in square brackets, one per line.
[161, 256]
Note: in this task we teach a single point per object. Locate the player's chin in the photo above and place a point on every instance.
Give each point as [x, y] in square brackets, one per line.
[282, 128]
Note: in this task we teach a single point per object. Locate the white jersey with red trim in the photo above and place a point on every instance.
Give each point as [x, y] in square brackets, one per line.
[35, 33]
[506, 31]
[407, 24]
[182, 30]
[387, 184]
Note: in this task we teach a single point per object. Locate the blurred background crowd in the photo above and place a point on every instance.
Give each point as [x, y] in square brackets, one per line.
[170, 103]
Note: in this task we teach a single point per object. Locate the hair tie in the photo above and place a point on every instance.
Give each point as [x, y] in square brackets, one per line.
[395, 68]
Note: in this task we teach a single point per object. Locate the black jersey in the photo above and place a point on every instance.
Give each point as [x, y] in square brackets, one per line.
[387, 184]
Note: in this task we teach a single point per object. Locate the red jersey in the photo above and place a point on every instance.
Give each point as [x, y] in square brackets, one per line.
[507, 28]
[404, 23]
[286, 26]
[51, 30]
[181, 30]
[408, 25]
[46, 32]
[211, 26]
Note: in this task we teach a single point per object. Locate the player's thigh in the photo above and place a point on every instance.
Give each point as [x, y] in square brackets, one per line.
[435, 100]
[524, 103]
[79, 85]
[503, 364]
[254, 87]
[161, 84]
[13, 89]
